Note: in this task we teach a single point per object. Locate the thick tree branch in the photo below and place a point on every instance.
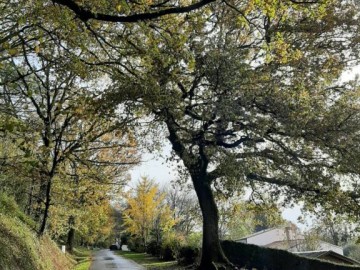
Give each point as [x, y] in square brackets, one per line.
[85, 14]
[282, 182]
[238, 142]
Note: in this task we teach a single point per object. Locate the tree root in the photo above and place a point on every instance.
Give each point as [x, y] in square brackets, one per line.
[219, 266]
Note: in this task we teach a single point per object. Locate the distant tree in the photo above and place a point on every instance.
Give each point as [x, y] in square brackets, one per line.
[185, 209]
[352, 251]
[335, 228]
[311, 241]
[146, 213]
[85, 188]
[238, 218]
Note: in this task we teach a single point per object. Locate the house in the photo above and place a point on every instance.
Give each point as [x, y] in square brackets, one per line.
[290, 238]
[328, 256]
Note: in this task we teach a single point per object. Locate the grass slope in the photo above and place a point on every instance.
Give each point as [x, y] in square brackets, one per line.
[83, 258]
[20, 247]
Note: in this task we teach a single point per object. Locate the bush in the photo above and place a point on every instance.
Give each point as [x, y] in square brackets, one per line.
[251, 256]
[135, 244]
[167, 253]
[113, 247]
[124, 238]
[170, 247]
[194, 240]
[153, 248]
[188, 255]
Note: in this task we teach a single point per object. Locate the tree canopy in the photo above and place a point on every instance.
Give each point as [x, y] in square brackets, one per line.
[249, 92]
[257, 103]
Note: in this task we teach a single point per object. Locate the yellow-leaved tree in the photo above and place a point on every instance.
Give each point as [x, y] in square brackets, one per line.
[147, 217]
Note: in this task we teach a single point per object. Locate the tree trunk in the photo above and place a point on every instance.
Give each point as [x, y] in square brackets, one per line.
[29, 207]
[71, 234]
[40, 200]
[212, 252]
[47, 207]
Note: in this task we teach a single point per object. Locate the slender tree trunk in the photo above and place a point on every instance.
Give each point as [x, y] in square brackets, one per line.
[47, 207]
[40, 199]
[71, 234]
[211, 248]
[29, 207]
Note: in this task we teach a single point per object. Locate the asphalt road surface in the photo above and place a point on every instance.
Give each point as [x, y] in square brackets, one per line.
[105, 259]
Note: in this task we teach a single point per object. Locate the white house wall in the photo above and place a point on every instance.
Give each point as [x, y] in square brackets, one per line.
[270, 236]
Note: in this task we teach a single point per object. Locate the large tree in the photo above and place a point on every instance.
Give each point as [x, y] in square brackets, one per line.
[247, 90]
[55, 107]
[250, 97]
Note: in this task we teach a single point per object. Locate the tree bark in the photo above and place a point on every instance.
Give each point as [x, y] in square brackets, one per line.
[212, 252]
[71, 234]
[29, 207]
[47, 207]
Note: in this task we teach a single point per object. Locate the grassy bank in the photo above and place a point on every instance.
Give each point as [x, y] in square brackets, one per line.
[83, 258]
[147, 260]
[21, 248]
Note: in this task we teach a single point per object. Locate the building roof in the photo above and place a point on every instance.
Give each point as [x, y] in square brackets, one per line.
[323, 253]
[284, 226]
[288, 243]
[257, 233]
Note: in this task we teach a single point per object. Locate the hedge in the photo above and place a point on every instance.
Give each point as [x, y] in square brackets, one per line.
[251, 256]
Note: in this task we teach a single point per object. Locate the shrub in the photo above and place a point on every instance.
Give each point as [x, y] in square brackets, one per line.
[124, 238]
[251, 256]
[135, 244]
[194, 240]
[153, 248]
[188, 255]
[170, 247]
[113, 247]
[167, 253]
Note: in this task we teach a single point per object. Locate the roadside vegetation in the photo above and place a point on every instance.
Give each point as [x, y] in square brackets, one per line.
[82, 257]
[21, 248]
[147, 260]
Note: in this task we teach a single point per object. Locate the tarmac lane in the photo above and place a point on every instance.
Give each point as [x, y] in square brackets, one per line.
[105, 259]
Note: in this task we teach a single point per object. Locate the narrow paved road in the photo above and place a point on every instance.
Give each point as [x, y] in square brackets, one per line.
[105, 259]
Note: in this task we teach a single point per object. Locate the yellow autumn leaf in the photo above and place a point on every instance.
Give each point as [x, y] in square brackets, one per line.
[13, 51]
